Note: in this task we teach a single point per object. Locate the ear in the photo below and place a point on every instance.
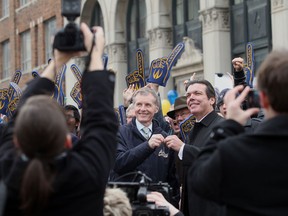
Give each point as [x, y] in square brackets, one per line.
[68, 142]
[156, 109]
[212, 101]
[264, 101]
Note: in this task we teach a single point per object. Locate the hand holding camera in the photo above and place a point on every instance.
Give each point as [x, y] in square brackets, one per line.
[72, 38]
[233, 104]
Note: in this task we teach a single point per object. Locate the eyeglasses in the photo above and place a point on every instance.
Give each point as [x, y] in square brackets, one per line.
[182, 114]
[69, 116]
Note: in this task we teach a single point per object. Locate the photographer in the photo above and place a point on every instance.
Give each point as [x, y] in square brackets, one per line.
[43, 176]
[239, 79]
[245, 171]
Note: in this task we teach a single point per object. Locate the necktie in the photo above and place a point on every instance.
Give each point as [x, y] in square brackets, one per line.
[146, 132]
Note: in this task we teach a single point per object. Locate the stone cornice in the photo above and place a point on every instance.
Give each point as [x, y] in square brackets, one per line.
[116, 52]
[278, 5]
[215, 19]
[160, 37]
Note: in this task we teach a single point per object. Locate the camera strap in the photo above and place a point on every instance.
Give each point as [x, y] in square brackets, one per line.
[88, 60]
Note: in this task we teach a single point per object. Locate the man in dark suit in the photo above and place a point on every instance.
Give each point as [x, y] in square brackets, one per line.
[201, 101]
[141, 145]
[246, 172]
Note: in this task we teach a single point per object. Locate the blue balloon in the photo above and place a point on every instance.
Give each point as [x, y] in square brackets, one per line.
[172, 95]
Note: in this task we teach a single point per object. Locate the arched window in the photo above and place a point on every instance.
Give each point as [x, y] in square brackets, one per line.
[251, 22]
[136, 34]
[186, 21]
[97, 16]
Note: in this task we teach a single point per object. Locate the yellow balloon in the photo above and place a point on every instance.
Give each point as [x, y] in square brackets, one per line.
[165, 106]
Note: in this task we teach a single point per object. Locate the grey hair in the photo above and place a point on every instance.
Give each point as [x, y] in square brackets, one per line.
[116, 203]
[146, 91]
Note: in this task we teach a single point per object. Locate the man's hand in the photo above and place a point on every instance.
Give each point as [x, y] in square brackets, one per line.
[153, 86]
[96, 62]
[233, 104]
[238, 64]
[155, 141]
[191, 79]
[173, 142]
[127, 95]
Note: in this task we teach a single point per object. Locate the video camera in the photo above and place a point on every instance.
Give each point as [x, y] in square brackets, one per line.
[137, 191]
[70, 38]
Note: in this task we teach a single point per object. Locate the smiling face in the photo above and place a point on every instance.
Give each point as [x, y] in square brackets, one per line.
[145, 108]
[197, 100]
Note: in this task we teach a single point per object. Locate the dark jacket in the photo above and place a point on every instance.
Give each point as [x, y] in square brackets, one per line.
[82, 172]
[192, 204]
[134, 154]
[246, 172]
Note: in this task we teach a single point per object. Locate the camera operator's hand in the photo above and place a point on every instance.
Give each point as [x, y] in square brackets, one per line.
[155, 141]
[233, 104]
[96, 62]
[238, 64]
[159, 200]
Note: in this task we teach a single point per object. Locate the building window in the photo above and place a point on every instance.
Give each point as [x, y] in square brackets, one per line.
[251, 22]
[97, 16]
[136, 34]
[186, 21]
[26, 51]
[5, 8]
[6, 59]
[50, 30]
[24, 2]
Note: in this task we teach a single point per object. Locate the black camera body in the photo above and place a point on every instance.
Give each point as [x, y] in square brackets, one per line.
[70, 38]
[137, 192]
[149, 209]
[253, 99]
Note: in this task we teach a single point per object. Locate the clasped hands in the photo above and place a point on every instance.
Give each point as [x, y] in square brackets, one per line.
[171, 141]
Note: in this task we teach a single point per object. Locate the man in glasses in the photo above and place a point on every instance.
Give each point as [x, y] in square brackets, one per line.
[73, 121]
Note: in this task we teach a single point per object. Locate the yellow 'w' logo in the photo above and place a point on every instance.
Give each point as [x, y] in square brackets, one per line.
[1, 105]
[157, 74]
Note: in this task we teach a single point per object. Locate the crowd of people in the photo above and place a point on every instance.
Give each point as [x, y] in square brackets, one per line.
[56, 161]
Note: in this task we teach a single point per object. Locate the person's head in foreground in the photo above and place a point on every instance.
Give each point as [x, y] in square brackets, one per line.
[116, 203]
[41, 135]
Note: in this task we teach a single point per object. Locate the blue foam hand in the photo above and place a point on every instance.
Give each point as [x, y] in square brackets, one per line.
[35, 74]
[249, 70]
[7, 94]
[59, 95]
[14, 100]
[122, 114]
[160, 68]
[76, 90]
[137, 77]
[105, 61]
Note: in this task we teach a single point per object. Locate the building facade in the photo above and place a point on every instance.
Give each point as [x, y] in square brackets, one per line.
[214, 32]
[26, 29]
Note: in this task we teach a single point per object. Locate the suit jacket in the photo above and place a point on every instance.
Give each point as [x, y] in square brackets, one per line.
[134, 154]
[192, 204]
[246, 172]
[82, 172]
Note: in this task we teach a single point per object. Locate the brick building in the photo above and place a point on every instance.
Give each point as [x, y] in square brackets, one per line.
[26, 28]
